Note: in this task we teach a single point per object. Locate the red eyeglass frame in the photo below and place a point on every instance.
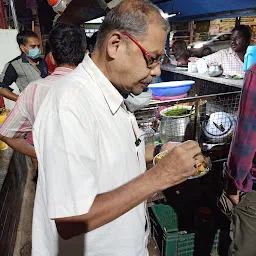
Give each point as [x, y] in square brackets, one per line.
[149, 58]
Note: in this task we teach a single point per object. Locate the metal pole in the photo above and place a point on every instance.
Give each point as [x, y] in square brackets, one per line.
[14, 16]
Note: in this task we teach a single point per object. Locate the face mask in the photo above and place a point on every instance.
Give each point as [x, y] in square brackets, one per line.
[33, 53]
[138, 102]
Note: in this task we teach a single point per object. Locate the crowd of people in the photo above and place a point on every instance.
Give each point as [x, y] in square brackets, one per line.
[92, 178]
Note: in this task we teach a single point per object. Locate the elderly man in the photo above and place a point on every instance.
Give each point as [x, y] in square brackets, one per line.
[180, 53]
[92, 182]
[232, 59]
[24, 69]
[68, 46]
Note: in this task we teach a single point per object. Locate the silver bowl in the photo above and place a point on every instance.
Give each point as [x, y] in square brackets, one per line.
[215, 70]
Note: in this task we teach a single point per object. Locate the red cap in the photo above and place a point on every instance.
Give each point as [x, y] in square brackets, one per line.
[53, 2]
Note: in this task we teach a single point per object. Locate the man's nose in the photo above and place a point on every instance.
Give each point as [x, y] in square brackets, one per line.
[156, 71]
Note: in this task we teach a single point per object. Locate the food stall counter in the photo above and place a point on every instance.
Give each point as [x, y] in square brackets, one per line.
[204, 83]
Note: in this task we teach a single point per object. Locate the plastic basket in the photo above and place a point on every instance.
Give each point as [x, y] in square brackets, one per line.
[166, 217]
[215, 243]
[169, 240]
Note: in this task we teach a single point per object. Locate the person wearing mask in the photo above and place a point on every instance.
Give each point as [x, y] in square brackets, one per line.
[68, 44]
[25, 68]
[180, 53]
[232, 58]
[92, 183]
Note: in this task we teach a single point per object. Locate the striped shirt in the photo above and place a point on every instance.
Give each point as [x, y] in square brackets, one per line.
[21, 119]
[241, 169]
[22, 72]
[228, 59]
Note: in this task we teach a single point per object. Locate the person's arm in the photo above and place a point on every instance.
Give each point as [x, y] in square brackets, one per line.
[173, 169]
[214, 58]
[16, 126]
[6, 93]
[7, 77]
[243, 146]
[20, 145]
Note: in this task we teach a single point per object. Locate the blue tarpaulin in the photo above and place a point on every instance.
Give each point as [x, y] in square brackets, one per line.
[207, 9]
[79, 11]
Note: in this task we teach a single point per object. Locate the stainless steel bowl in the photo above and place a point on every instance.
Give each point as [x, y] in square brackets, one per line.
[172, 128]
[215, 70]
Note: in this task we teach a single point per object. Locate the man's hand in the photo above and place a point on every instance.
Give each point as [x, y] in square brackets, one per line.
[235, 198]
[169, 146]
[149, 152]
[178, 164]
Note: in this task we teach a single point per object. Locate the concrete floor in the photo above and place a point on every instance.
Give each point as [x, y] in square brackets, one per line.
[23, 240]
[5, 157]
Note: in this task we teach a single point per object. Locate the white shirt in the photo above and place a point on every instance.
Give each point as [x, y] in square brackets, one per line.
[85, 144]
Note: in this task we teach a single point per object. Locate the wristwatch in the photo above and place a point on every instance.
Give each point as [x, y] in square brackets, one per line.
[157, 149]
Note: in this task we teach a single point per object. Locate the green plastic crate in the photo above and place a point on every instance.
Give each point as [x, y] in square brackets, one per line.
[174, 243]
[169, 240]
[160, 213]
[216, 243]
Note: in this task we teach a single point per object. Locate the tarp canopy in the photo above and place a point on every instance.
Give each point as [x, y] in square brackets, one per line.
[79, 11]
[207, 9]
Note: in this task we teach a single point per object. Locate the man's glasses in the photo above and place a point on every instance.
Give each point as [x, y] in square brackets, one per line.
[150, 60]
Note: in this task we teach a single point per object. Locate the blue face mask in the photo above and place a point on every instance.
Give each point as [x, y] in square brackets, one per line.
[34, 53]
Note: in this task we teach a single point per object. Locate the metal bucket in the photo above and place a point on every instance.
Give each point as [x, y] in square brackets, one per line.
[172, 128]
[201, 107]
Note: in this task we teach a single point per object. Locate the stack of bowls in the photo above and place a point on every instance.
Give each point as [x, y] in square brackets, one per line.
[170, 91]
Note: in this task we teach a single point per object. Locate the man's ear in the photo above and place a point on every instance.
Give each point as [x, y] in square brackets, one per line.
[52, 59]
[114, 44]
[23, 48]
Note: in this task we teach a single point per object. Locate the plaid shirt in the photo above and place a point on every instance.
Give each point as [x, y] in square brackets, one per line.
[21, 119]
[228, 59]
[241, 164]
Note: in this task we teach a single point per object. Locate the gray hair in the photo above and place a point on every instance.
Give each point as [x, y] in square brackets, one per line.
[133, 17]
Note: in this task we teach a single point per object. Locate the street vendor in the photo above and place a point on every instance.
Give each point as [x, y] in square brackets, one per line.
[232, 58]
[92, 182]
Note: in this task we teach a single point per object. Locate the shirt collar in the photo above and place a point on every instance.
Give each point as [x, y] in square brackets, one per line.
[113, 98]
[230, 51]
[61, 71]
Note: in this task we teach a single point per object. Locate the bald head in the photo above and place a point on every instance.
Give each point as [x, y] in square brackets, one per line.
[133, 17]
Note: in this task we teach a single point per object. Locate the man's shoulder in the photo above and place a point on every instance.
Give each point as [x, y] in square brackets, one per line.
[18, 58]
[222, 52]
